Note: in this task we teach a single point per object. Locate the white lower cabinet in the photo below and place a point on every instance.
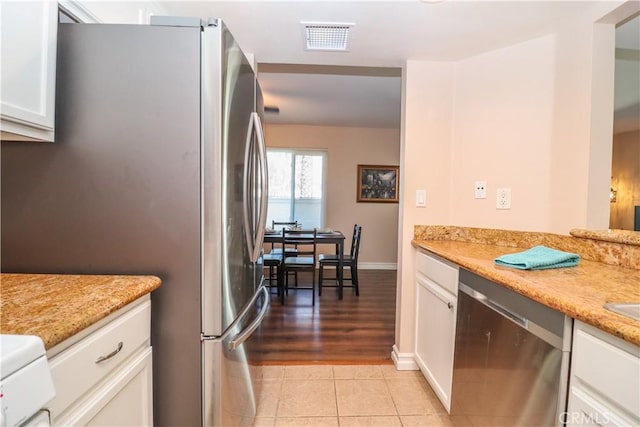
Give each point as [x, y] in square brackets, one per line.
[105, 378]
[127, 401]
[436, 296]
[605, 380]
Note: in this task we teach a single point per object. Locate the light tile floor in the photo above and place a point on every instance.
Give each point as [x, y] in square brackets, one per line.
[349, 395]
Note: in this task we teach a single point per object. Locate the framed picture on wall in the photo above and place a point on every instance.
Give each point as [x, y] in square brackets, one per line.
[377, 183]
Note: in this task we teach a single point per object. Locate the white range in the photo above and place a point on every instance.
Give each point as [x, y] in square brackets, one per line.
[26, 385]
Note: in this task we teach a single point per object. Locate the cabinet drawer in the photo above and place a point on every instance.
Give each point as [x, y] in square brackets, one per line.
[125, 399]
[439, 271]
[584, 411]
[600, 364]
[76, 370]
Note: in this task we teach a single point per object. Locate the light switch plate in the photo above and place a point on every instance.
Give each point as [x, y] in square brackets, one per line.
[421, 198]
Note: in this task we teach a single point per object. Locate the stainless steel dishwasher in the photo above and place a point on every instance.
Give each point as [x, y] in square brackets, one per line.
[511, 360]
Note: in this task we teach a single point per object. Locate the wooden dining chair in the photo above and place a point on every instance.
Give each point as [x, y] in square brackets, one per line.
[350, 260]
[273, 261]
[289, 225]
[304, 260]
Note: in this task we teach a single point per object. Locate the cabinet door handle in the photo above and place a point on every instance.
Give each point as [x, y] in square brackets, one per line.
[110, 355]
[436, 291]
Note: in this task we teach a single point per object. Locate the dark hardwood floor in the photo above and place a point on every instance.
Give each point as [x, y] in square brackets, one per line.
[356, 329]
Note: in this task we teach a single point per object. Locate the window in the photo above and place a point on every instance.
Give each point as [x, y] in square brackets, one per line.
[296, 186]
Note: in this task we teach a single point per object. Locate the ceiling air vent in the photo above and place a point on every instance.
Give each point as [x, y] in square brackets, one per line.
[332, 36]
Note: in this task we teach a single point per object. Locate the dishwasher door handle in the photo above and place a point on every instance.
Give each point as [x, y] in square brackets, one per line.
[508, 314]
[483, 299]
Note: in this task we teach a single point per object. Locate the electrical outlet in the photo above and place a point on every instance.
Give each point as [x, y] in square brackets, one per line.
[480, 189]
[503, 198]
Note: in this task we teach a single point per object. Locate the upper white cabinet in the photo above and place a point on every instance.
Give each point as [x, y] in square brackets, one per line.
[27, 95]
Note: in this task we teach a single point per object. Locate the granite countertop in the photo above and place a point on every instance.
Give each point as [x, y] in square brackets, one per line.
[627, 237]
[57, 306]
[579, 292]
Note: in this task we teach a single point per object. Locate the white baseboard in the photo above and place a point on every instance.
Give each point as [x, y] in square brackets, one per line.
[373, 266]
[403, 361]
[377, 266]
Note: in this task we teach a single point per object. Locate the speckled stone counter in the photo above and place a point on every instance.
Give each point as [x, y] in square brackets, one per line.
[56, 307]
[580, 292]
[618, 236]
[611, 251]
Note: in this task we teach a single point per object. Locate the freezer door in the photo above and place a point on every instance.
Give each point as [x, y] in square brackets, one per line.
[231, 382]
[231, 214]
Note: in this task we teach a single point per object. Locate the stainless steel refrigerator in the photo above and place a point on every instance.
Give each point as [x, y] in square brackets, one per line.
[158, 167]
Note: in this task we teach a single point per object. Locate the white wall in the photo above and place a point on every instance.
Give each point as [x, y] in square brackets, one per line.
[523, 120]
[583, 125]
[503, 127]
[425, 164]
[535, 117]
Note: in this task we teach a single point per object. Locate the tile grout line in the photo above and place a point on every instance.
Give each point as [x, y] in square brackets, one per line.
[335, 393]
[386, 383]
[275, 419]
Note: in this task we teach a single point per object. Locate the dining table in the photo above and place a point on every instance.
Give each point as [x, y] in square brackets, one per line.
[331, 237]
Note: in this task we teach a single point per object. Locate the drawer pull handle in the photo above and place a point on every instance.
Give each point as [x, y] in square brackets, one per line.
[110, 355]
[450, 305]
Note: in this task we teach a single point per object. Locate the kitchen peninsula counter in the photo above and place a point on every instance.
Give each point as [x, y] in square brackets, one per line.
[579, 292]
[56, 307]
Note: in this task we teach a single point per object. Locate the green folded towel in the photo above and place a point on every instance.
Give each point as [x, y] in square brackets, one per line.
[538, 258]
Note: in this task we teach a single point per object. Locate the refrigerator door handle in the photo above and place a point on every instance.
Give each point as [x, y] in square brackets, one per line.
[254, 241]
[264, 182]
[246, 333]
[246, 198]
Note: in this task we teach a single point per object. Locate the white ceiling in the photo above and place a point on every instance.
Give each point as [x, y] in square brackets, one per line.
[386, 34]
[333, 96]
